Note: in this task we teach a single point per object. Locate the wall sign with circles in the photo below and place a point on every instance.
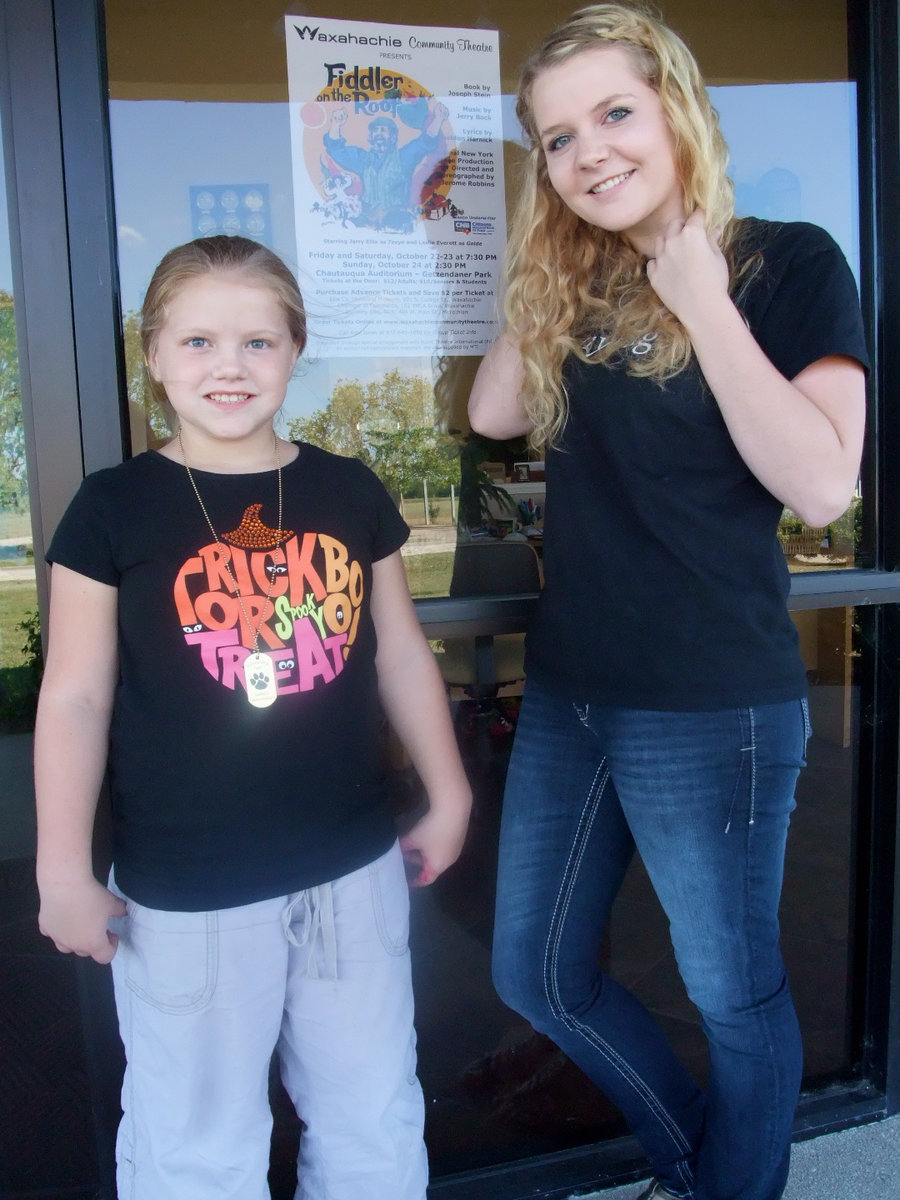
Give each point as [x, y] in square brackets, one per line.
[231, 208]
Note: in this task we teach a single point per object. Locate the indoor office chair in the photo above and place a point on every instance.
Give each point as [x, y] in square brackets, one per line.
[481, 665]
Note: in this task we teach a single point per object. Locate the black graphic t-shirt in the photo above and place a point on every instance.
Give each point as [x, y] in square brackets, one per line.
[665, 584]
[217, 803]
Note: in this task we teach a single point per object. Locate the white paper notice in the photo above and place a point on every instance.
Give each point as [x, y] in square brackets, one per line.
[396, 139]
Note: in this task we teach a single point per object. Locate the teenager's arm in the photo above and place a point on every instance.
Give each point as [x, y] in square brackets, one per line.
[71, 735]
[415, 702]
[802, 438]
[495, 410]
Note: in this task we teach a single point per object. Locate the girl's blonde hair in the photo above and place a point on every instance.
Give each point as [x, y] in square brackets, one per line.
[569, 279]
[202, 257]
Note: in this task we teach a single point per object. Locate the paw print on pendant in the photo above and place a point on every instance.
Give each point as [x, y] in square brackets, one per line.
[259, 674]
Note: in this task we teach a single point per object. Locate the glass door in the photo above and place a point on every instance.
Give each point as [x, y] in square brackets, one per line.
[243, 140]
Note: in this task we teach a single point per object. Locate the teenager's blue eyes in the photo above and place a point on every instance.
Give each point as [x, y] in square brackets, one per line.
[613, 117]
[258, 344]
[197, 341]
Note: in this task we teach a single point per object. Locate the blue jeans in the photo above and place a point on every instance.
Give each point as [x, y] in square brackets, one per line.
[706, 799]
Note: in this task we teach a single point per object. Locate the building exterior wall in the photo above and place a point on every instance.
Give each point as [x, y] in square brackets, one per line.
[60, 66]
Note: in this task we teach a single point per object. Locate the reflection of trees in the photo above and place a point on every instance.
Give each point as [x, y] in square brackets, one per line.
[13, 478]
[454, 376]
[388, 423]
[403, 459]
[140, 395]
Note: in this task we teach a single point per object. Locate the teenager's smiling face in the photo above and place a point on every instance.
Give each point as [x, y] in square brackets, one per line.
[608, 147]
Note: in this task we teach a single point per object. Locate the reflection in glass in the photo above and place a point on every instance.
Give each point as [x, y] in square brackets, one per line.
[391, 424]
[214, 134]
[826, 548]
[19, 630]
[20, 648]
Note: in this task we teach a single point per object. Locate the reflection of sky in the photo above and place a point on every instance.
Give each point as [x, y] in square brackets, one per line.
[5, 264]
[793, 153]
[162, 149]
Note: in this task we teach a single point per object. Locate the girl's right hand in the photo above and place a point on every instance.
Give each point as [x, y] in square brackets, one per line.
[435, 842]
[76, 919]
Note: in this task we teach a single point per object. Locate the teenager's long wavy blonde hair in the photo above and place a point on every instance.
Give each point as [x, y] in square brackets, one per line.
[568, 279]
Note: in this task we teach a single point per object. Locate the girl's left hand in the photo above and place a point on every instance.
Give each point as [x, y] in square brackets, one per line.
[688, 271]
[434, 843]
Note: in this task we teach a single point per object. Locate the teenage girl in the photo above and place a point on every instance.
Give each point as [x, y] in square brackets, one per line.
[227, 613]
[691, 374]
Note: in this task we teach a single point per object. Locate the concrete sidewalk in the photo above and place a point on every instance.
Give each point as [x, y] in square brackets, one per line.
[862, 1163]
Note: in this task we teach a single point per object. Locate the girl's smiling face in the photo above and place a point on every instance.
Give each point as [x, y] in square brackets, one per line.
[224, 355]
[607, 144]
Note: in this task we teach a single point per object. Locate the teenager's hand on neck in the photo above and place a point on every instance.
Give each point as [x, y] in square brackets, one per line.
[688, 271]
[801, 437]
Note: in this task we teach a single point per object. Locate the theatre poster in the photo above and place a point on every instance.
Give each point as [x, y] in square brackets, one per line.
[397, 157]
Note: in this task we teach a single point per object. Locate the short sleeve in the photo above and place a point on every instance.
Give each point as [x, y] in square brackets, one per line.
[82, 540]
[390, 531]
[804, 304]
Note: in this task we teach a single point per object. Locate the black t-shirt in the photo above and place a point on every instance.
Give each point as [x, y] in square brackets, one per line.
[217, 803]
[665, 584]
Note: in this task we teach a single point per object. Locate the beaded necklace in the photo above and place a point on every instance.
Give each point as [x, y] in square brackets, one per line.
[259, 671]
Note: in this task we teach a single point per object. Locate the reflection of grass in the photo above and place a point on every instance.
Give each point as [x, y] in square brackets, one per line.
[17, 600]
[441, 512]
[429, 574]
[15, 525]
[19, 656]
[13, 560]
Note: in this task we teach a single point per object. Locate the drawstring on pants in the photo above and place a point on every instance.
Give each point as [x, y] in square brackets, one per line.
[314, 925]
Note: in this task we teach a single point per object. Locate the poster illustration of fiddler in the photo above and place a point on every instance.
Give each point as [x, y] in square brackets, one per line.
[396, 142]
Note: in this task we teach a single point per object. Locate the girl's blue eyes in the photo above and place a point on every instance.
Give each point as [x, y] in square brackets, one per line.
[197, 343]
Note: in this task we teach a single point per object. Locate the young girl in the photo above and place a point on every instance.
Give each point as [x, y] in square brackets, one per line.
[692, 373]
[226, 615]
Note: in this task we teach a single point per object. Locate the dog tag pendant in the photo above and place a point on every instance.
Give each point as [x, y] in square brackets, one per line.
[260, 676]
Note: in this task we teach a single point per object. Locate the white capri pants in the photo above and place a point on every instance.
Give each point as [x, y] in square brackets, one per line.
[203, 999]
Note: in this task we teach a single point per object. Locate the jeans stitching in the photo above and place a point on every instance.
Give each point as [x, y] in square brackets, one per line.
[749, 749]
[807, 725]
[752, 716]
[765, 1023]
[551, 979]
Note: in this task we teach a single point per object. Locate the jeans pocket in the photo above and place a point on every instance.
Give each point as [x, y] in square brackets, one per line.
[170, 958]
[390, 901]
